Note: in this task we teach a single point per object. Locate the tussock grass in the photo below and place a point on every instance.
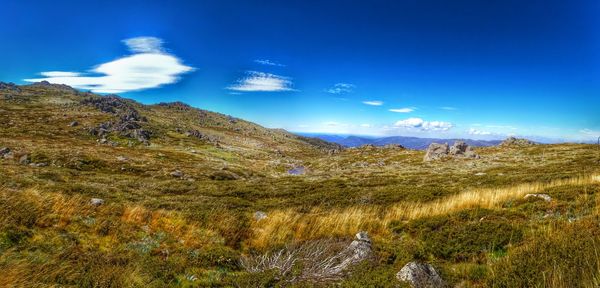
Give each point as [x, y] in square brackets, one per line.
[285, 225]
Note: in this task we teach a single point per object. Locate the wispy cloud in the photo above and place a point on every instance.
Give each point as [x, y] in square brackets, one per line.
[60, 74]
[268, 62]
[144, 45]
[341, 88]
[262, 82]
[149, 67]
[335, 124]
[365, 125]
[474, 131]
[373, 103]
[420, 124]
[403, 110]
[448, 108]
[590, 132]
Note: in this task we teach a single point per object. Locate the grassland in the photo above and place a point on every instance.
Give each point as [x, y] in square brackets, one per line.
[467, 217]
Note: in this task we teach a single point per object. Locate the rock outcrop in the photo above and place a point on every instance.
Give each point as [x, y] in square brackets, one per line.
[460, 149]
[436, 151]
[420, 275]
[516, 142]
[128, 123]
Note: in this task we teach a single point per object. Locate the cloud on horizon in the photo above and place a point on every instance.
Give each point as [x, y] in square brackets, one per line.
[150, 66]
[262, 82]
[474, 131]
[422, 125]
[341, 88]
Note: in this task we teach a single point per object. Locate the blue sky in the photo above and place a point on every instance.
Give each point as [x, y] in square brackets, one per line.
[477, 69]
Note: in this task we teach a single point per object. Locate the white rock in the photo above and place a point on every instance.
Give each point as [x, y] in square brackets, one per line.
[420, 275]
[546, 197]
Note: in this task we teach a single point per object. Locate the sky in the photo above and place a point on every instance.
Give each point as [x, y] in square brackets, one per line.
[470, 69]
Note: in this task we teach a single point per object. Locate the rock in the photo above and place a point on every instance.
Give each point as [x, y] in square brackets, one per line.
[25, 159]
[516, 142]
[462, 149]
[393, 146]
[259, 215]
[479, 173]
[122, 158]
[4, 152]
[459, 148]
[420, 275]
[96, 201]
[74, 123]
[177, 174]
[9, 86]
[545, 197]
[436, 151]
[359, 250]
[297, 171]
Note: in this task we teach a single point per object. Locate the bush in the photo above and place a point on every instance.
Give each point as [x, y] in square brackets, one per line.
[464, 236]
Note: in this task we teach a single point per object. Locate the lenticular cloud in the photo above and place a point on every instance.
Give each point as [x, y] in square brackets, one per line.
[149, 67]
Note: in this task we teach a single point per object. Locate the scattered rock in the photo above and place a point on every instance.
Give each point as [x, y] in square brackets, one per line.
[201, 136]
[9, 86]
[545, 197]
[259, 215]
[177, 174]
[436, 151]
[128, 122]
[479, 173]
[122, 158]
[96, 201]
[25, 159]
[74, 123]
[516, 142]
[420, 275]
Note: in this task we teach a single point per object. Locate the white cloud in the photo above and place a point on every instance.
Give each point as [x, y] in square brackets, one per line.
[144, 44]
[474, 131]
[365, 125]
[448, 108]
[263, 82]
[60, 74]
[268, 62]
[341, 88]
[403, 110]
[589, 132]
[150, 67]
[373, 103]
[420, 124]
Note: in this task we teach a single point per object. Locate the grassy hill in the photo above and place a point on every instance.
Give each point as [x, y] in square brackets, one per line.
[181, 187]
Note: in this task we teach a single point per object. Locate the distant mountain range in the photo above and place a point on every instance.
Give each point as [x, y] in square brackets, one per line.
[408, 142]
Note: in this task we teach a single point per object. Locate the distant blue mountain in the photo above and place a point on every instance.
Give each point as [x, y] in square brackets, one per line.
[408, 142]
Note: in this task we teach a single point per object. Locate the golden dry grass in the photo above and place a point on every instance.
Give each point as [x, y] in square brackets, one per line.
[289, 224]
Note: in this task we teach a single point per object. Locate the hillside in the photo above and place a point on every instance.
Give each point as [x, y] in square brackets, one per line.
[102, 191]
